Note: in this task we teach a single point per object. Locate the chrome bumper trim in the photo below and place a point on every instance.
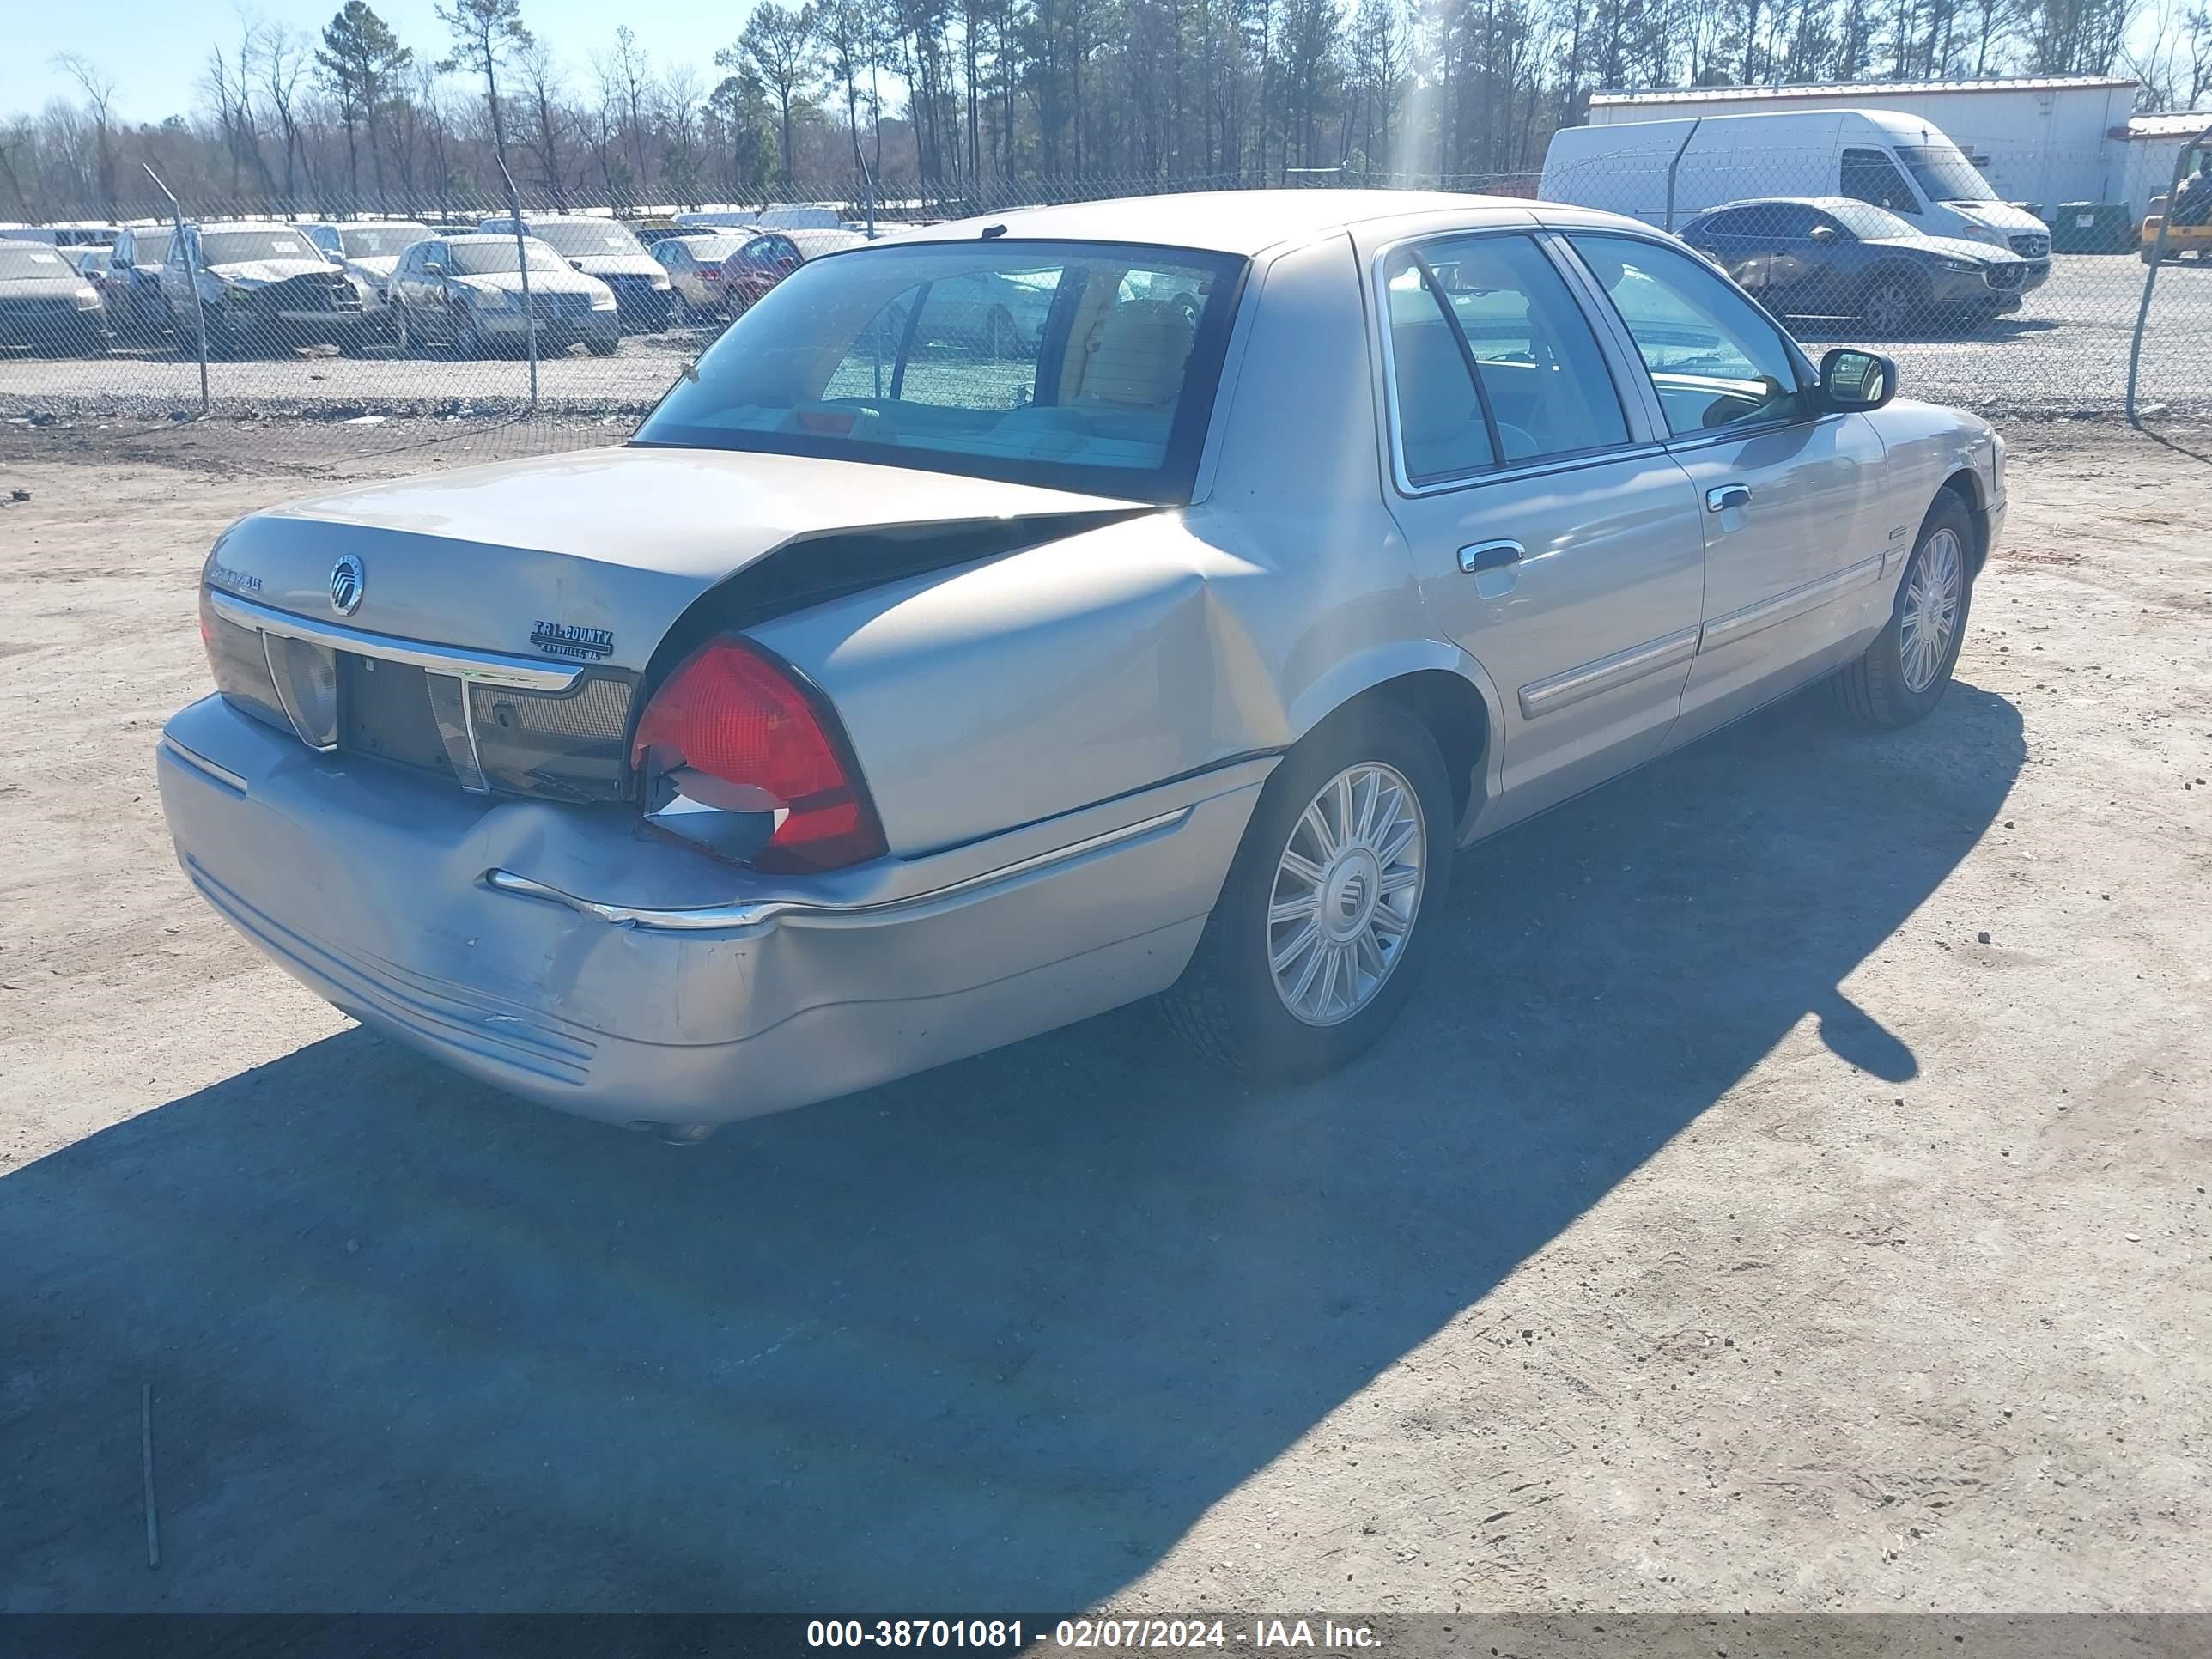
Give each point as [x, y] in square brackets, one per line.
[753, 913]
[485, 667]
[200, 763]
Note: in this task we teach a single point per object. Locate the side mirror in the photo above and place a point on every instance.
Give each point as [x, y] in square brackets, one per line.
[575, 264]
[1824, 234]
[432, 267]
[1853, 379]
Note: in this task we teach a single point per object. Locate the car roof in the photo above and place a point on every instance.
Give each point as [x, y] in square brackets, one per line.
[1824, 204]
[476, 236]
[1227, 222]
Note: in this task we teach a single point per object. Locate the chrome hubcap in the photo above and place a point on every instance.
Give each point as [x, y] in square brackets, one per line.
[1347, 887]
[1931, 610]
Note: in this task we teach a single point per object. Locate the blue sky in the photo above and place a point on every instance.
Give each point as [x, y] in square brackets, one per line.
[154, 50]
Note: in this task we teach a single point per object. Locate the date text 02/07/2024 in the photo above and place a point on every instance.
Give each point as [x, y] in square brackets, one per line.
[1138, 1634]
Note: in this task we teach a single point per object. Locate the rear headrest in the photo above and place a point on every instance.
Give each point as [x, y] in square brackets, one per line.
[1138, 363]
[1436, 400]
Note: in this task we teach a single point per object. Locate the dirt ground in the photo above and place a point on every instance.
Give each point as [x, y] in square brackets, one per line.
[1788, 1194]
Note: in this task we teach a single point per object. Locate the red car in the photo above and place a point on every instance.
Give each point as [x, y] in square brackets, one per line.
[774, 255]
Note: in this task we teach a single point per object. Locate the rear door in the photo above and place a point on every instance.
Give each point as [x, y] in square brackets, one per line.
[1553, 537]
[1731, 239]
[1799, 270]
[1791, 501]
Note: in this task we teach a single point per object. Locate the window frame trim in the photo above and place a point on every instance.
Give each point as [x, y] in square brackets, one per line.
[1639, 412]
[1808, 377]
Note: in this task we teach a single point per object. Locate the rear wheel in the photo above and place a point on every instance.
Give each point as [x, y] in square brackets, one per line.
[1312, 948]
[1903, 675]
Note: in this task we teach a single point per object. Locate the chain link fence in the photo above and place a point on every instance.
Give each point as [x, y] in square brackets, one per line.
[567, 329]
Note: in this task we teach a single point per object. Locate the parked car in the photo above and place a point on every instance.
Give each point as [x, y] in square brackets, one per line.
[46, 304]
[261, 286]
[766, 260]
[466, 292]
[911, 720]
[366, 249]
[1659, 171]
[719, 219]
[608, 251]
[1831, 257]
[697, 262]
[130, 290]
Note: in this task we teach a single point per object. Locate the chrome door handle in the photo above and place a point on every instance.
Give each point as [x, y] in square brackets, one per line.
[1477, 556]
[1721, 498]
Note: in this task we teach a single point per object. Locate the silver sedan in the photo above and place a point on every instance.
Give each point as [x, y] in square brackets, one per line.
[884, 701]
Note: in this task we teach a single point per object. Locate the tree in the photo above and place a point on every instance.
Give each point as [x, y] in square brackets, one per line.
[544, 116]
[362, 62]
[486, 34]
[777, 45]
[283, 61]
[741, 124]
[99, 103]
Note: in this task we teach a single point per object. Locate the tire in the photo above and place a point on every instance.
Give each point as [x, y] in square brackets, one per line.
[467, 343]
[599, 347]
[1894, 303]
[1228, 1004]
[1902, 676]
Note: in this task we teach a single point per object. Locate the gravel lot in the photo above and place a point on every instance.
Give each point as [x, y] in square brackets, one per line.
[1788, 1194]
[2066, 351]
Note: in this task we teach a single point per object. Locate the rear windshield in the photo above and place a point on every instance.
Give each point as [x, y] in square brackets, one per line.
[1075, 365]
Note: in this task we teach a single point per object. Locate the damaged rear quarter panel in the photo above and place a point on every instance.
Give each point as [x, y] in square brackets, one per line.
[1018, 688]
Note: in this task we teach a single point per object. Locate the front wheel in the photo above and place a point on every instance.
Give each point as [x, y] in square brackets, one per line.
[1894, 304]
[1902, 676]
[1311, 951]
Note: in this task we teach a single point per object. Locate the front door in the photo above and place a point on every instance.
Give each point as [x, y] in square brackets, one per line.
[1791, 500]
[1556, 545]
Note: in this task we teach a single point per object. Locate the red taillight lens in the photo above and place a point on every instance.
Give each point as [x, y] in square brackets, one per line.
[732, 712]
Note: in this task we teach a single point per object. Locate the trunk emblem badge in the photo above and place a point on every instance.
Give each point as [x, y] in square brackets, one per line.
[347, 578]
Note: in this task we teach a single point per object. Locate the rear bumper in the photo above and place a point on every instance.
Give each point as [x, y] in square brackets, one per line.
[612, 974]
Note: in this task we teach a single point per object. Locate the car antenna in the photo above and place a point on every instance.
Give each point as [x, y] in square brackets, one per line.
[992, 232]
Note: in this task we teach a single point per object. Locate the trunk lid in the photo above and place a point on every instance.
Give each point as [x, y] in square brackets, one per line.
[589, 555]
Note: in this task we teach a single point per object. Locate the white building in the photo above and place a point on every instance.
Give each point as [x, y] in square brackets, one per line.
[2148, 146]
[2041, 140]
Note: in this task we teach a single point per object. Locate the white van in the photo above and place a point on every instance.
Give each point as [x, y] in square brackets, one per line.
[1894, 160]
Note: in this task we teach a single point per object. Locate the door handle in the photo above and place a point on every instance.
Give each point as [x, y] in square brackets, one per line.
[1479, 556]
[1721, 498]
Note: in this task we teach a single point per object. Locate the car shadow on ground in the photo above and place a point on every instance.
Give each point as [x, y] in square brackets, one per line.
[990, 1337]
